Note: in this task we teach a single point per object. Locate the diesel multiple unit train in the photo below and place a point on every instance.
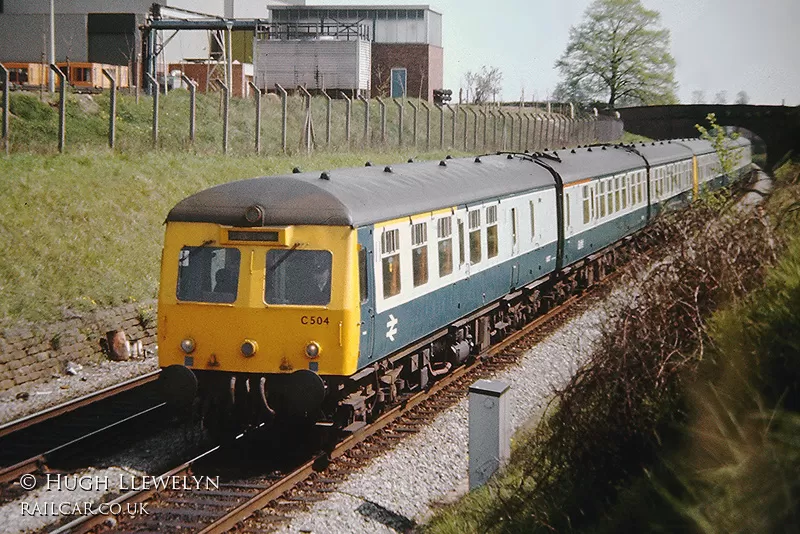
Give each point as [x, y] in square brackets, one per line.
[326, 295]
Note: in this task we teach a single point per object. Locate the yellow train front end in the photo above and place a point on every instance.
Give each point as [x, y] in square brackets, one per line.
[257, 321]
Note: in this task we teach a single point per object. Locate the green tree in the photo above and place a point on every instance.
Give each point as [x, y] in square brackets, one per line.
[619, 54]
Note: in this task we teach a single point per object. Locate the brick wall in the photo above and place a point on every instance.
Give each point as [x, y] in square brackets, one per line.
[423, 64]
[34, 353]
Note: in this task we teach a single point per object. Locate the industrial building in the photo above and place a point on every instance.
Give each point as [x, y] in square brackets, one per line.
[370, 50]
[406, 42]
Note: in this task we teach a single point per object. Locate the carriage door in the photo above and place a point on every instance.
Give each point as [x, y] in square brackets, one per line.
[514, 248]
[366, 284]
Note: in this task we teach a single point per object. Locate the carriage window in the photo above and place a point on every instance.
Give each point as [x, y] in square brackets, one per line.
[299, 277]
[585, 204]
[419, 253]
[390, 246]
[491, 231]
[514, 227]
[363, 285]
[602, 199]
[444, 230]
[624, 192]
[461, 255]
[533, 221]
[610, 198]
[208, 274]
[616, 194]
[475, 253]
[567, 209]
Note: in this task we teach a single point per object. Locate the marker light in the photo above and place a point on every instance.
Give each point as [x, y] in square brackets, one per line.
[249, 348]
[187, 345]
[312, 350]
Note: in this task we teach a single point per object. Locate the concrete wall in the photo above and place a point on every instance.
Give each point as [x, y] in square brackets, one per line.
[35, 354]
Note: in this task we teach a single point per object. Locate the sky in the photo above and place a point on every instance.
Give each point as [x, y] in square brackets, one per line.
[718, 45]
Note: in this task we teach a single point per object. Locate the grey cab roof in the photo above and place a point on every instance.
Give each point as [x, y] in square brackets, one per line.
[363, 195]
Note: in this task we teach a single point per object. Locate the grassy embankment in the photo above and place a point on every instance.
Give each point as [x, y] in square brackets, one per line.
[688, 417]
[84, 229]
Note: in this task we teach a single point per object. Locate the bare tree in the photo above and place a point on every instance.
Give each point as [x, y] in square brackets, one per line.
[742, 97]
[721, 97]
[487, 84]
[698, 96]
[470, 79]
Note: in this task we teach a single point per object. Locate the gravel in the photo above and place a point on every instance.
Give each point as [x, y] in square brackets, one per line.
[396, 490]
[27, 399]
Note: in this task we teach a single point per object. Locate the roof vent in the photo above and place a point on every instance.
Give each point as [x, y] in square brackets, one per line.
[589, 149]
[563, 148]
[368, 164]
[442, 164]
[510, 156]
[572, 151]
[325, 175]
[448, 157]
[387, 169]
[411, 160]
[604, 147]
[296, 170]
[478, 159]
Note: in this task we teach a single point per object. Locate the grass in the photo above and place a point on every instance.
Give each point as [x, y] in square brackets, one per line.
[84, 229]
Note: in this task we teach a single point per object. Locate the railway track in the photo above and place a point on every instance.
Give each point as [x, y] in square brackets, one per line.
[262, 501]
[29, 443]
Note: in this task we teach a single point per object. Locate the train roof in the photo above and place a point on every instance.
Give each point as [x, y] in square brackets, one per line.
[364, 195]
[580, 163]
[697, 146]
[659, 152]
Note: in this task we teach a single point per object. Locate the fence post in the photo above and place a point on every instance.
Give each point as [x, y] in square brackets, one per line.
[511, 142]
[112, 112]
[413, 123]
[503, 126]
[225, 110]
[382, 105]
[257, 96]
[455, 125]
[441, 126]
[474, 130]
[400, 114]
[485, 120]
[348, 111]
[547, 132]
[466, 124]
[527, 131]
[308, 123]
[6, 103]
[328, 112]
[192, 105]
[366, 120]
[284, 96]
[427, 124]
[494, 129]
[155, 93]
[62, 107]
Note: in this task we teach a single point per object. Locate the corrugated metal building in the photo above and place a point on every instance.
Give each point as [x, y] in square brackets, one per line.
[407, 55]
[105, 31]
